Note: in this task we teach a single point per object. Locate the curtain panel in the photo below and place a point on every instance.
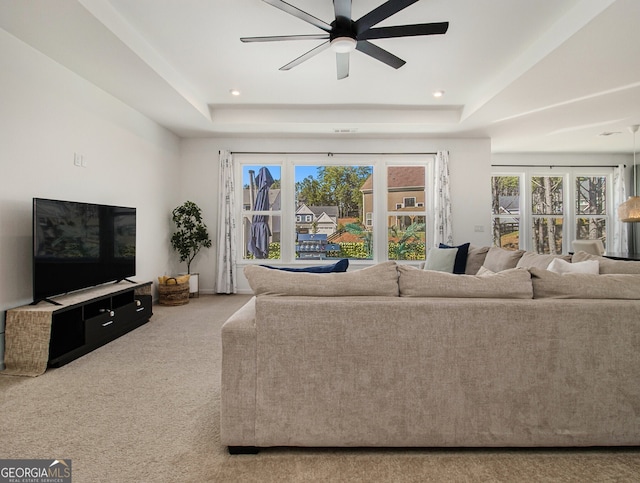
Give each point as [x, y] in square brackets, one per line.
[619, 239]
[442, 229]
[226, 280]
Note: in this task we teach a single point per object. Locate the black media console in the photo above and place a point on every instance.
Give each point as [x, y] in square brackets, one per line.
[79, 322]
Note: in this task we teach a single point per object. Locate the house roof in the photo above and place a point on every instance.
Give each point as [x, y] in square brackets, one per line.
[324, 218]
[317, 211]
[532, 76]
[274, 197]
[400, 178]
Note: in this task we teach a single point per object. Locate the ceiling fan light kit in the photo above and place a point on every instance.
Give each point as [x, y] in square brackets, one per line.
[343, 45]
[345, 35]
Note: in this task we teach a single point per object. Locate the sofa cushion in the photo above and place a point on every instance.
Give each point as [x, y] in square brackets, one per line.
[380, 280]
[475, 259]
[548, 284]
[532, 259]
[562, 266]
[339, 266]
[607, 265]
[460, 264]
[512, 284]
[499, 259]
[441, 259]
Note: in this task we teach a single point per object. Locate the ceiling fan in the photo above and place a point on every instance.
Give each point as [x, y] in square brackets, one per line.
[344, 35]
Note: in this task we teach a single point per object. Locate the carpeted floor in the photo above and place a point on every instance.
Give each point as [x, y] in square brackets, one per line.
[145, 408]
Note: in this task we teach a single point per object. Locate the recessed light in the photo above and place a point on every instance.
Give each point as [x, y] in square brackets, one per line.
[234, 92]
[438, 93]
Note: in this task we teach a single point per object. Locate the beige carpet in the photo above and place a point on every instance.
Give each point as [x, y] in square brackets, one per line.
[145, 408]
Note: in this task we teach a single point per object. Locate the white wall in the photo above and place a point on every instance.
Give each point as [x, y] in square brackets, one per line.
[469, 159]
[47, 114]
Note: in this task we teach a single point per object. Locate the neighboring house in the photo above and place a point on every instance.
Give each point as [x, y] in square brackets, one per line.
[406, 192]
[509, 204]
[275, 204]
[316, 219]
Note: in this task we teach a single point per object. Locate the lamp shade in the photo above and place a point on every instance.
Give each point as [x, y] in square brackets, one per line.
[629, 211]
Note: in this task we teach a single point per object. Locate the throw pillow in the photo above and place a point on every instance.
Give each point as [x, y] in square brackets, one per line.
[475, 259]
[531, 259]
[499, 259]
[339, 266]
[441, 259]
[547, 284]
[508, 284]
[484, 271]
[460, 264]
[607, 265]
[562, 266]
[378, 280]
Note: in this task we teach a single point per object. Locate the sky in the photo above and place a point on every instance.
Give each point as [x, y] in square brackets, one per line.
[301, 172]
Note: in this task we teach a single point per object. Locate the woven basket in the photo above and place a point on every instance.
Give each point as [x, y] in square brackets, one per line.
[173, 294]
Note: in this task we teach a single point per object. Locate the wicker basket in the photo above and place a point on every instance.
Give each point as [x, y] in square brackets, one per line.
[173, 293]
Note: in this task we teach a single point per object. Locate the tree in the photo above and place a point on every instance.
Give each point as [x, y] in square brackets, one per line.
[335, 186]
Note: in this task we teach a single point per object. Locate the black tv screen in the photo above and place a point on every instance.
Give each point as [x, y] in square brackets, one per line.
[79, 245]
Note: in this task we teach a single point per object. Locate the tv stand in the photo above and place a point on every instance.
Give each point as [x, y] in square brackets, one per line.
[44, 335]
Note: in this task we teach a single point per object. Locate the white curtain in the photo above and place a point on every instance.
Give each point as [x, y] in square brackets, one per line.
[226, 281]
[619, 240]
[442, 228]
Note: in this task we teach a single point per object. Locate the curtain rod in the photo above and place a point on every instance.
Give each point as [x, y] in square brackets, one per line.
[330, 153]
[551, 166]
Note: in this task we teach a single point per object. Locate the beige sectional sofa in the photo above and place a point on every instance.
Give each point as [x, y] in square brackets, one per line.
[396, 356]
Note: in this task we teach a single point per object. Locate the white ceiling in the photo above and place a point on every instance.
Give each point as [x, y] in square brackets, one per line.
[533, 75]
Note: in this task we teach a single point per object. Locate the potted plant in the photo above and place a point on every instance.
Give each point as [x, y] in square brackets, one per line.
[190, 237]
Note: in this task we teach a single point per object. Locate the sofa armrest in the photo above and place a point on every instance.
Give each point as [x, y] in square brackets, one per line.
[237, 399]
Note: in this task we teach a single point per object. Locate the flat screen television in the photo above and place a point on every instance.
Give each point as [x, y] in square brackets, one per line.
[78, 245]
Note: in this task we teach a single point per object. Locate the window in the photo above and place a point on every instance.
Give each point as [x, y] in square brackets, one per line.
[591, 207]
[406, 227]
[320, 207]
[505, 194]
[543, 212]
[260, 229]
[369, 219]
[547, 210]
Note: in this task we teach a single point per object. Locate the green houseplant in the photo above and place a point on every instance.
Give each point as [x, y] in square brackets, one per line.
[191, 234]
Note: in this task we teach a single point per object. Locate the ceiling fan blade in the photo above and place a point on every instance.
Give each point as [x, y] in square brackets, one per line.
[285, 37]
[377, 15]
[379, 54]
[296, 12]
[342, 63]
[342, 8]
[308, 55]
[405, 31]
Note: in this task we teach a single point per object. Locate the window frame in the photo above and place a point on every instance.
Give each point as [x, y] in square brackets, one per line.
[570, 215]
[379, 217]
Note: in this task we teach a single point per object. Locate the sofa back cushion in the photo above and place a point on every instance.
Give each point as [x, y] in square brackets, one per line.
[499, 259]
[379, 280]
[511, 284]
[548, 284]
[607, 265]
